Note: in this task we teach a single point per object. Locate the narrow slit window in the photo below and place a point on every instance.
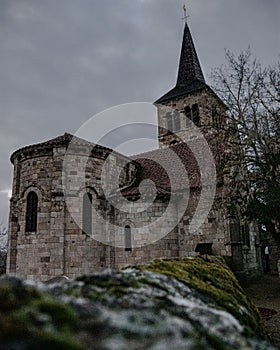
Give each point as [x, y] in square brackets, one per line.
[127, 238]
[177, 123]
[87, 213]
[169, 122]
[31, 212]
[195, 115]
[214, 117]
[188, 114]
[245, 233]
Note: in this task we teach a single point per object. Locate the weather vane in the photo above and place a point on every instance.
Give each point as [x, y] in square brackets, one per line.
[185, 13]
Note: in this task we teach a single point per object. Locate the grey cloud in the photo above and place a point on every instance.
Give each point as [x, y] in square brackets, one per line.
[63, 61]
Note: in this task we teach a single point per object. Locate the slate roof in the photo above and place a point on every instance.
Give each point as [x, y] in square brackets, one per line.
[152, 169]
[190, 76]
[185, 177]
[157, 165]
[62, 140]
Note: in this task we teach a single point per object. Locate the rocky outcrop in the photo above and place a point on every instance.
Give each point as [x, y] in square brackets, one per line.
[167, 304]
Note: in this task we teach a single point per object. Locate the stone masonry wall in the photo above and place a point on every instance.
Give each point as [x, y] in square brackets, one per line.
[32, 249]
[211, 111]
[59, 245]
[48, 251]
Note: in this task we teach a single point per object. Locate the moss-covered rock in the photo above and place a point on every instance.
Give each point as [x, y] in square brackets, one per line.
[30, 319]
[167, 304]
[213, 279]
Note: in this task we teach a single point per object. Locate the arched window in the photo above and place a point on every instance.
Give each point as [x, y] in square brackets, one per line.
[195, 115]
[216, 118]
[177, 124]
[87, 213]
[127, 238]
[188, 114]
[245, 234]
[31, 212]
[173, 122]
[169, 122]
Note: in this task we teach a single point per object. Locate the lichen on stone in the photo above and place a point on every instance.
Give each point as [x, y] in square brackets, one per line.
[213, 279]
[168, 304]
[29, 319]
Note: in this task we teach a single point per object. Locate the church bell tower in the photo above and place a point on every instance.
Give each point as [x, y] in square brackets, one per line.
[190, 102]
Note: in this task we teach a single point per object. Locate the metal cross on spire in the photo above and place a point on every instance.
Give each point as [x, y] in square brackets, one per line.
[185, 18]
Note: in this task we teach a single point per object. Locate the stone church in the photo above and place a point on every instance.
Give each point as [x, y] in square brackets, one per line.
[48, 239]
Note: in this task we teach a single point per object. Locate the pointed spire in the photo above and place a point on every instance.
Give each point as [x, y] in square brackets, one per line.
[190, 76]
[189, 67]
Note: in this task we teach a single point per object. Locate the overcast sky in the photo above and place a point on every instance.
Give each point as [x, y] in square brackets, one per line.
[62, 61]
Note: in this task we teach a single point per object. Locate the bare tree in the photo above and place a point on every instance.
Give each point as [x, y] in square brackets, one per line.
[252, 94]
[3, 247]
